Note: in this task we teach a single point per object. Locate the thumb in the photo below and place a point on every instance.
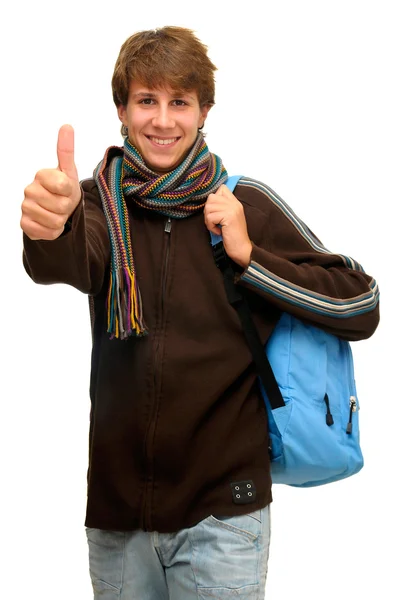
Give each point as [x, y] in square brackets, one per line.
[222, 191]
[66, 152]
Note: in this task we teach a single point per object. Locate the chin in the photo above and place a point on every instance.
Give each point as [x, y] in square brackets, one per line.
[159, 168]
[163, 167]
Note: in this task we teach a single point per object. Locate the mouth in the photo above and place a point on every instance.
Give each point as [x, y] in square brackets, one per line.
[162, 142]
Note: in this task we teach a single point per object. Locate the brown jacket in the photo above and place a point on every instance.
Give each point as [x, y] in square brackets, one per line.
[176, 415]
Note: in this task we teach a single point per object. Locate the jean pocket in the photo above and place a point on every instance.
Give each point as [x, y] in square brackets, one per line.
[227, 552]
[248, 525]
[106, 555]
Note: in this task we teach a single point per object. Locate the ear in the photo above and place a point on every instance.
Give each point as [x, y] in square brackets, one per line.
[122, 114]
[204, 110]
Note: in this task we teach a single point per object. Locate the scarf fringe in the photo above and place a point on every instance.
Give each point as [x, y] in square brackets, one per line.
[124, 309]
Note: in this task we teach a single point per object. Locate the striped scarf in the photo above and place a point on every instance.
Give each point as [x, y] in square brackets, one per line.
[178, 194]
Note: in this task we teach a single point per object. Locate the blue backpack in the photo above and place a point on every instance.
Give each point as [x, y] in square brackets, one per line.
[306, 378]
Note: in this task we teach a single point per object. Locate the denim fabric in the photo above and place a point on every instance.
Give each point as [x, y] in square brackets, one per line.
[223, 557]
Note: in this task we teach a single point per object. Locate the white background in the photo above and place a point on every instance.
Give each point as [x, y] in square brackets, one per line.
[306, 102]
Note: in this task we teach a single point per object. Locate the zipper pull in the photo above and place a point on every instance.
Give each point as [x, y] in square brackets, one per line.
[353, 408]
[329, 416]
[167, 227]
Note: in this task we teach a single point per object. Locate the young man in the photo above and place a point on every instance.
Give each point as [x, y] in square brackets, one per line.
[177, 422]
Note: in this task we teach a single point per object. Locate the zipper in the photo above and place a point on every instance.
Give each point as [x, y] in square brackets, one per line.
[329, 416]
[353, 399]
[167, 229]
[353, 408]
[157, 379]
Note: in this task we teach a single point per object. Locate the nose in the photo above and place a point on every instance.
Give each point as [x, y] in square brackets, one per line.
[163, 118]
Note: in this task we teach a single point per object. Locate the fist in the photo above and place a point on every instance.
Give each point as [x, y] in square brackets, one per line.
[224, 215]
[54, 193]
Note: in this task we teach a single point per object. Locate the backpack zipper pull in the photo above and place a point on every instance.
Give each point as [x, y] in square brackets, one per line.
[353, 408]
[329, 416]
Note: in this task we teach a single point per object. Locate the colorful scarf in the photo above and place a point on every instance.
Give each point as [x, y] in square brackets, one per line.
[123, 174]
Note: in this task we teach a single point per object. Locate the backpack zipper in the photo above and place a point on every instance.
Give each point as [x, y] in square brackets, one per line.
[353, 399]
[329, 416]
[353, 408]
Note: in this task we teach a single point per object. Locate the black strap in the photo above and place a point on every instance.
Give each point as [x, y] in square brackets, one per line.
[237, 299]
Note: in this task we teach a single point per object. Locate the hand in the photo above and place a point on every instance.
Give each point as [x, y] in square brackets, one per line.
[224, 215]
[54, 193]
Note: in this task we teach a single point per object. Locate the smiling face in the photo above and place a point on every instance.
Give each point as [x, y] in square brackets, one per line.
[162, 124]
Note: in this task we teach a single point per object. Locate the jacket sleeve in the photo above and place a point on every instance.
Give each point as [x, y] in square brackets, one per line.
[292, 269]
[80, 256]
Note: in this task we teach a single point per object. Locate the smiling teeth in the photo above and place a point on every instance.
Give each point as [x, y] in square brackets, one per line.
[163, 142]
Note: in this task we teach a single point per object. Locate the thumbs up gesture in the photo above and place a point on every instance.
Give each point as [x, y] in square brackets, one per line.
[54, 193]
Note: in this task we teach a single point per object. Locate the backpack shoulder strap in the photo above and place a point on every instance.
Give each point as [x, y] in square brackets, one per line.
[237, 299]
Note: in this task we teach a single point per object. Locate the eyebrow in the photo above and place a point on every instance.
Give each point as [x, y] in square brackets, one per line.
[154, 95]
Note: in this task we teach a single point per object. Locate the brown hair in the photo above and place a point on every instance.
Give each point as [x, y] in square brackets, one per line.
[167, 57]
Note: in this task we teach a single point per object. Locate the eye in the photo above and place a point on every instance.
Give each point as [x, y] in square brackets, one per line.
[146, 101]
[180, 102]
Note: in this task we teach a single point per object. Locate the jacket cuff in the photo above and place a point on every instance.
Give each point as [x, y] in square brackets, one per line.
[240, 271]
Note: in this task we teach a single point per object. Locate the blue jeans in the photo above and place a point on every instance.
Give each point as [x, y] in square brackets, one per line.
[223, 557]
